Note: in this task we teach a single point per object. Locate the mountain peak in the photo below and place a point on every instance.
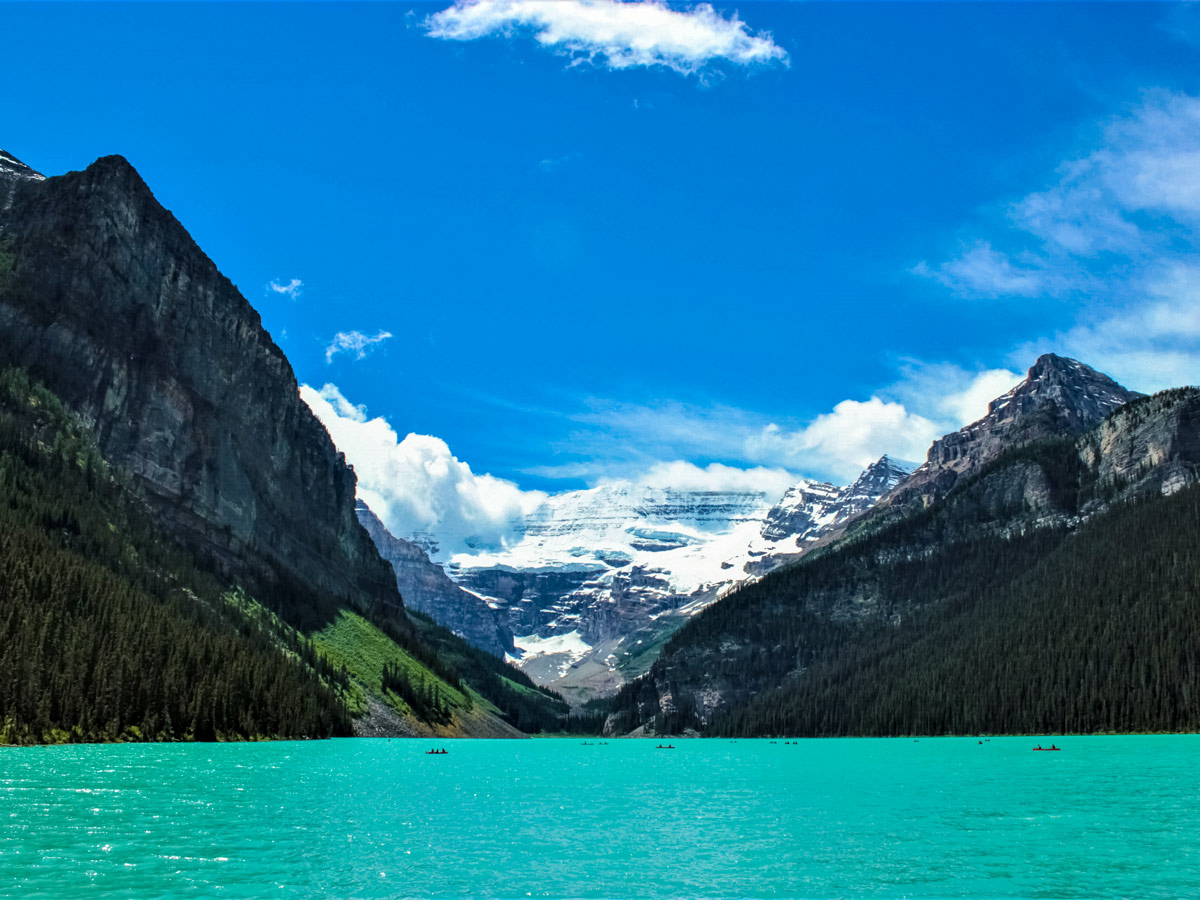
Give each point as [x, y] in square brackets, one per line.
[12, 173]
[11, 167]
[1059, 397]
[1064, 389]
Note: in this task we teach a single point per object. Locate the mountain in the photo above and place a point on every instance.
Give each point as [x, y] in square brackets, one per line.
[594, 581]
[425, 586]
[810, 511]
[112, 306]
[184, 477]
[1049, 588]
[107, 632]
[1058, 397]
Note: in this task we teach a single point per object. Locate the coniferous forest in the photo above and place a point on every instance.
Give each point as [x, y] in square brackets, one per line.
[107, 632]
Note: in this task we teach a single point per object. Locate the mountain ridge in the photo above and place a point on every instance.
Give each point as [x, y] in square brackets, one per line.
[110, 302]
[1029, 494]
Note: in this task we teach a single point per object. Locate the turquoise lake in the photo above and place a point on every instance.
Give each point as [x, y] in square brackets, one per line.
[939, 817]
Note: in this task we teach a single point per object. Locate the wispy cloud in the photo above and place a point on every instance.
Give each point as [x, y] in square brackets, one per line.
[624, 440]
[354, 342]
[1150, 344]
[613, 34]
[1117, 231]
[289, 289]
[983, 271]
[1108, 214]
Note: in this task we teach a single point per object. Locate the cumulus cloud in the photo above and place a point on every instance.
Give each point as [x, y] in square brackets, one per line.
[289, 289]
[843, 442]
[354, 342]
[416, 485]
[950, 395]
[613, 34]
[901, 419]
[686, 476]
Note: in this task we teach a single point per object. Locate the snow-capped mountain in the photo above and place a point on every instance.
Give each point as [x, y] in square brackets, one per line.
[809, 510]
[592, 580]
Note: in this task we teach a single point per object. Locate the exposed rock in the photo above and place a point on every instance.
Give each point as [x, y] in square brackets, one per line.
[111, 304]
[1059, 398]
[1148, 444]
[425, 586]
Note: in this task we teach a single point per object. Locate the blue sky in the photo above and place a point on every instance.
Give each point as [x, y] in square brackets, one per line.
[776, 237]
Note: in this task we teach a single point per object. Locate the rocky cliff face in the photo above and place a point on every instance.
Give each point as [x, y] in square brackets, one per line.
[808, 509]
[425, 587]
[1059, 397]
[107, 300]
[13, 172]
[810, 512]
[1148, 446]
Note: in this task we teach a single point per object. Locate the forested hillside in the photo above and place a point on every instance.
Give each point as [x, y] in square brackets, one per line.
[998, 610]
[107, 632]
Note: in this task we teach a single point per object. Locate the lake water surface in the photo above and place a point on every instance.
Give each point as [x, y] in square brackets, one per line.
[949, 817]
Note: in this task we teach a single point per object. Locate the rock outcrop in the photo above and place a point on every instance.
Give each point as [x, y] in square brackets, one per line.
[1059, 398]
[427, 588]
[105, 298]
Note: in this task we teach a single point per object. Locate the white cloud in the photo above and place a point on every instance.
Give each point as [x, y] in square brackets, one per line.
[1117, 231]
[950, 395]
[354, 342]
[613, 34]
[416, 485]
[1131, 202]
[902, 420]
[983, 271]
[846, 440]
[1148, 345]
[291, 289]
[686, 476]
[836, 445]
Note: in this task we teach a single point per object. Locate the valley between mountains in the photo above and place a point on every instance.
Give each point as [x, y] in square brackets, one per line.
[185, 556]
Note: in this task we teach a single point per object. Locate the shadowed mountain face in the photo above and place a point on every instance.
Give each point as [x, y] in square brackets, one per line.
[106, 299]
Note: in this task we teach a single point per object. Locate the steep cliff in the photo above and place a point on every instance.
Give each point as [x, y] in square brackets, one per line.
[1059, 397]
[426, 587]
[106, 299]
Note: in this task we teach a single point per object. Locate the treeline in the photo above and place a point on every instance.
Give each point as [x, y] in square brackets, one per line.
[523, 704]
[108, 632]
[422, 697]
